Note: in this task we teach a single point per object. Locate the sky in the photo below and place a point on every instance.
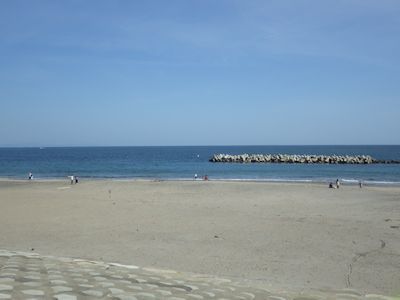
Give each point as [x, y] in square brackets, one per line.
[199, 72]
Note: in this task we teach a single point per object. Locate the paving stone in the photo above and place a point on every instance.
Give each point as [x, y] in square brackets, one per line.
[5, 287]
[32, 277]
[9, 269]
[116, 291]
[10, 265]
[33, 283]
[55, 276]
[7, 274]
[33, 274]
[125, 297]
[106, 284]
[94, 273]
[80, 279]
[179, 289]
[163, 292]
[124, 281]
[218, 291]
[58, 282]
[65, 297]
[276, 298]
[154, 278]
[61, 289]
[93, 293]
[6, 279]
[71, 279]
[135, 287]
[86, 285]
[377, 297]
[248, 295]
[209, 294]
[33, 292]
[99, 278]
[347, 296]
[194, 296]
[145, 296]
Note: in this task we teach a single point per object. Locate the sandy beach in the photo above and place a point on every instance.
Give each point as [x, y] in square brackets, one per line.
[298, 236]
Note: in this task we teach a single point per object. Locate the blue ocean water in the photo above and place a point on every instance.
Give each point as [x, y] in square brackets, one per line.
[183, 162]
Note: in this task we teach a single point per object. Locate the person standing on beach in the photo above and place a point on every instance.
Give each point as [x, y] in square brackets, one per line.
[337, 183]
[30, 176]
[72, 179]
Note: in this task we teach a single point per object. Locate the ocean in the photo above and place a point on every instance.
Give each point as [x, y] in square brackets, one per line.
[182, 162]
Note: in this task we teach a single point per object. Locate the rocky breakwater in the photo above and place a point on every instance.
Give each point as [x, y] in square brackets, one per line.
[298, 159]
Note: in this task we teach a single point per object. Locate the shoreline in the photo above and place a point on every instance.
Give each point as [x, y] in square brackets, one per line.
[343, 181]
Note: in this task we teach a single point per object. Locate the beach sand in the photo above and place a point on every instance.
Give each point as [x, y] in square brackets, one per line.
[297, 236]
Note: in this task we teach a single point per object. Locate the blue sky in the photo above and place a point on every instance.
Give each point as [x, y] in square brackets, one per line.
[199, 72]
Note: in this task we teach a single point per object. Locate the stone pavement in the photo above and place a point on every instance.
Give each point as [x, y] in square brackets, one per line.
[32, 276]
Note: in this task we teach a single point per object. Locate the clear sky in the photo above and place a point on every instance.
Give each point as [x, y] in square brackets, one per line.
[204, 72]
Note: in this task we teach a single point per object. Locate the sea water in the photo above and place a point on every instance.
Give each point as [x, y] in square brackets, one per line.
[181, 162]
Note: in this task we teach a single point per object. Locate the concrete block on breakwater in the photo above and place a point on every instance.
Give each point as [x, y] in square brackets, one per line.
[299, 159]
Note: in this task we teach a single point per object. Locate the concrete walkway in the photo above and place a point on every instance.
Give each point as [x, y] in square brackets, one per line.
[32, 276]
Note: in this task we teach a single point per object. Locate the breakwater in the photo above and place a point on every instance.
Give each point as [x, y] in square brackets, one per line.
[299, 159]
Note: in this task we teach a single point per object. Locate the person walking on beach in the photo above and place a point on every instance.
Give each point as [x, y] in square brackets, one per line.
[30, 176]
[337, 183]
[72, 179]
[76, 179]
[195, 176]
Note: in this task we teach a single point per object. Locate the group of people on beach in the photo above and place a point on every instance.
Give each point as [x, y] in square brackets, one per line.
[337, 185]
[205, 177]
[74, 179]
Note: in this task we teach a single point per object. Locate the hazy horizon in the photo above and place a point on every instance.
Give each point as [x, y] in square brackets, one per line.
[216, 145]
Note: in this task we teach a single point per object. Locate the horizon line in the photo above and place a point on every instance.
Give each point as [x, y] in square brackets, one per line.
[225, 145]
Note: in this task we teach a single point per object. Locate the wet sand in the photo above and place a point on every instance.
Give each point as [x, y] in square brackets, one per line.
[301, 236]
